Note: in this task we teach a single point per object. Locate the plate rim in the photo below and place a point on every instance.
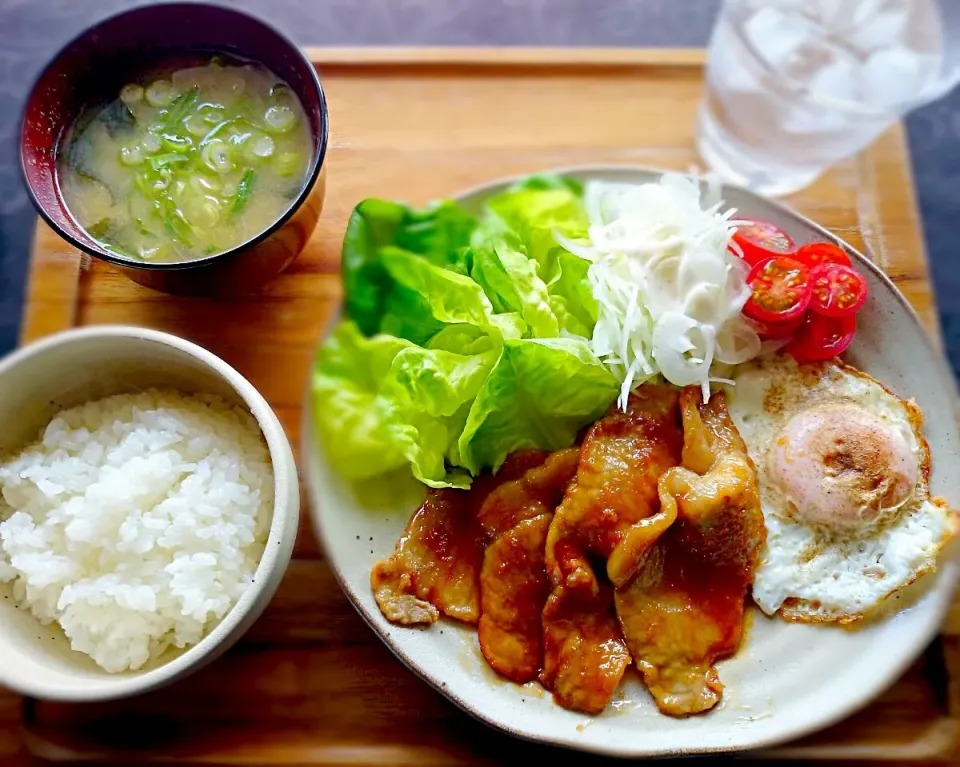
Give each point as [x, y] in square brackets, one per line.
[308, 450]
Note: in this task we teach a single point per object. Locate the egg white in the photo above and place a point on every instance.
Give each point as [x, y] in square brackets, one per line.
[818, 573]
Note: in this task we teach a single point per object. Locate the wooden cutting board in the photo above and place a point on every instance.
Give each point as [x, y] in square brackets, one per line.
[310, 684]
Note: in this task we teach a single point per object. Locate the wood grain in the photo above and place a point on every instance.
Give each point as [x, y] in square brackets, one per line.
[310, 684]
[537, 56]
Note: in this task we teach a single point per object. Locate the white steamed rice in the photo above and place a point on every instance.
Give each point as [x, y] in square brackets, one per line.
[136, 522]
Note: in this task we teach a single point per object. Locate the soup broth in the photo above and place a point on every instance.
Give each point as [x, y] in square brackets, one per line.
[183, 166]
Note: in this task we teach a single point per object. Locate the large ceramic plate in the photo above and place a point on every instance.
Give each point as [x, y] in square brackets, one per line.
[787, 679]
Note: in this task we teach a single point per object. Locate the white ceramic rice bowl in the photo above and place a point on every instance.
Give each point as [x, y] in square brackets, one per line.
[66, 370]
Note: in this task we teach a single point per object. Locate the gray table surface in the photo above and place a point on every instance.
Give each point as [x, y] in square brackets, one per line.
[32, 30]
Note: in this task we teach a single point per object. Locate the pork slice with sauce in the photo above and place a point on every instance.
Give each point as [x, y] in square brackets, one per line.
[513, 580]
[435, 566]
[684, 608]
[614, 491]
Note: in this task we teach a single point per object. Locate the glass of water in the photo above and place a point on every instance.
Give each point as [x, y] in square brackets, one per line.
[793, 86]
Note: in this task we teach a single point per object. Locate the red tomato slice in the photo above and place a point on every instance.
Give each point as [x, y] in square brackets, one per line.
[816, 253]
[759, 240]
[837, 290]
[781, 290]
[777, 330]
[821, 338]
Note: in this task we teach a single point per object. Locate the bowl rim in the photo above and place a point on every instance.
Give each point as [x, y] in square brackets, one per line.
[278, 547]
[309, 181]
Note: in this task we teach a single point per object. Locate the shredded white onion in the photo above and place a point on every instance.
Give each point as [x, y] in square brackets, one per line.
[669, 292]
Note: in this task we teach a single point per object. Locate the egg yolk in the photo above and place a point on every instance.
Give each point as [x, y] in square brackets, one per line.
[841, 465]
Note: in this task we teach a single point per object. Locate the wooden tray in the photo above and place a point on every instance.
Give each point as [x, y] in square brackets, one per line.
[310, 684]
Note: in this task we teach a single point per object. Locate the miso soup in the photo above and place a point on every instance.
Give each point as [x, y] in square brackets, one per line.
[188, 164]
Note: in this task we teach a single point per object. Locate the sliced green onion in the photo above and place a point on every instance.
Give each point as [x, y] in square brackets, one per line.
[131, 155]
[203, 211]
[150, 143]
[174, 222]
[287, 163]
[131, 94]
[238, 139]
[216, 156]
[196, 126]
[218, 128]
[144, 183]
[176, 143]
[244, 190]
[163, 161]
[159, 93]
[280, 118]
[260, 148]
[204, 184]
[181, 106]
[211, 113]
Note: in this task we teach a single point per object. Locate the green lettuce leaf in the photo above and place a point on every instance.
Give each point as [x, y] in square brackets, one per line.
[535, 214]
[382, 402]
[501, 266]
[346, 380]
[448, 296]
[463, 341]
[438, 233]
[539, 395]
[516, 258]
[571, 297]
[425, 400]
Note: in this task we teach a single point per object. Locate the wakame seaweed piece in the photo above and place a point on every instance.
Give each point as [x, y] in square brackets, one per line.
[290, 192]
[79, 156]
[244, 190]
[108, 233]
[119, 251]
[180, 107]
[101, 229]
[117, 119]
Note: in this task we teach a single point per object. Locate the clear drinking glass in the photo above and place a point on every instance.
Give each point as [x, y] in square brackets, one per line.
[793, 86]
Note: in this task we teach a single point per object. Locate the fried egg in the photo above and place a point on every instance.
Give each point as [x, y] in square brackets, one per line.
[844, 486]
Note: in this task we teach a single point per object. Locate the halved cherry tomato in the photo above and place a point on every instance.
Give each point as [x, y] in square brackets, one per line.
[759, 240]
[816, 253]
[838, 291]
[776, 330]
[821, 338]
[781, 290]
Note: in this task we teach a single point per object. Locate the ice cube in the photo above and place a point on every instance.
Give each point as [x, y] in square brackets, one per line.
[804, 120]
[777, 36]
[790, 6]
[729, 68]
[893, 76]
[836, 78]
[834, 15]
[878, 25]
